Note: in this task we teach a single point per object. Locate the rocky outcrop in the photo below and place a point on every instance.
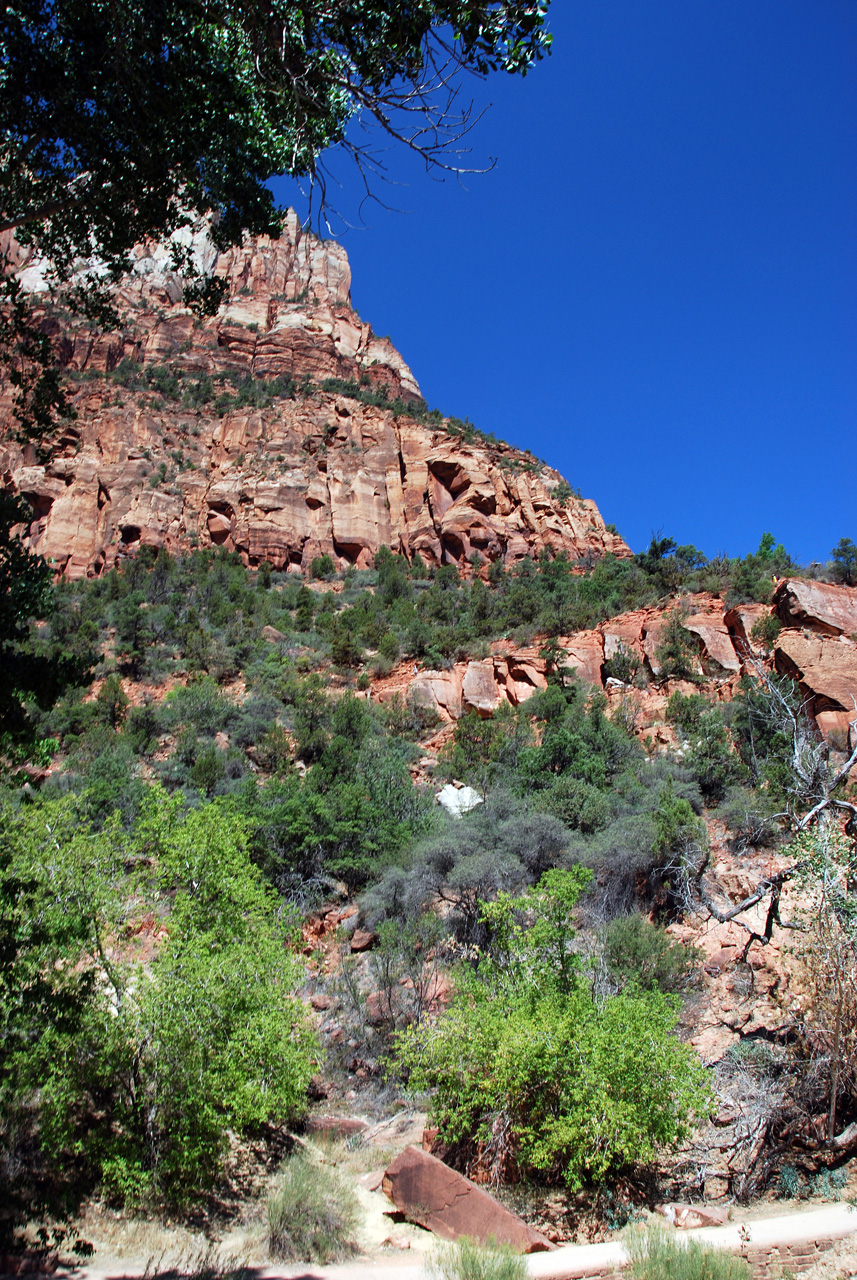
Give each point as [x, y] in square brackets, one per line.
[166, 451]
[824, 608]
[824, 664]
[825, 667]
[431, 1194]
[818, 648]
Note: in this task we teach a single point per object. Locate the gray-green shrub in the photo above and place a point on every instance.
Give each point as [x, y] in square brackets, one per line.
[642, 955]
[467, 1260]
[312, 1213]
[655, 1255]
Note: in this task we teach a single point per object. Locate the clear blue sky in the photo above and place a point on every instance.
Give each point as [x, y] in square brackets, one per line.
[655, 289]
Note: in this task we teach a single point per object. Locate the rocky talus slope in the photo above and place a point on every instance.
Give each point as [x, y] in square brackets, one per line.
[163, 452]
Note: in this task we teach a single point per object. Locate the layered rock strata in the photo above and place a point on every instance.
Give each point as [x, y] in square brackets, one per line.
[163, 452]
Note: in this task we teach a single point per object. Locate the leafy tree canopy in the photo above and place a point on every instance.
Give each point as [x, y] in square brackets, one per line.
[542, 1074]
[118, 118]
[123, 1074]
[32, 675]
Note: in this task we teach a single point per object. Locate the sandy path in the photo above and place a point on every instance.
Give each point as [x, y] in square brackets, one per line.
[830, 1222]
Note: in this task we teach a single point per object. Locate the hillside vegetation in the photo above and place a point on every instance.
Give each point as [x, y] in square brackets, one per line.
[219, 771]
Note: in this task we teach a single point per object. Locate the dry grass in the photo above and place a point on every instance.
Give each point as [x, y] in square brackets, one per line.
[312, 1214]
[169, 1247]
[467, 1260]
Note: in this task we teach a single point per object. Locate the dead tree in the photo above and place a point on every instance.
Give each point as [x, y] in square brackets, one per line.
[821, 821]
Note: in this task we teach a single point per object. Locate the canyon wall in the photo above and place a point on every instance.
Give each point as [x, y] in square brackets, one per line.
[282, 428]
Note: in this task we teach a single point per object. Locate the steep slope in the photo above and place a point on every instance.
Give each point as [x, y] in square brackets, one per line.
[283, 428]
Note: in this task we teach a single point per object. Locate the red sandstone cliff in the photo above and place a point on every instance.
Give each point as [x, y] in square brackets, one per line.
[316, 473]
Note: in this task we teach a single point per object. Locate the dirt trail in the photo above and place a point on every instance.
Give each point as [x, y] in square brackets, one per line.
[830, 1222]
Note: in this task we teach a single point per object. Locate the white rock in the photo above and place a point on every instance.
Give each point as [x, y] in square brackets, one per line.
[458, 800]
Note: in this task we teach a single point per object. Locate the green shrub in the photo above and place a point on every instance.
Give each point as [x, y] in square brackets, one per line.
[686, 711]
[207, 770]
[642, 955]
[676, 824]
[579, 1091]
[579, 805]
[202, 705]
[312, 1213]
[658, 1256]
[112, 702]
[790, 1182]
[748, 816]
[676, 653]
[467, 1260]
[765, 630]
[710, 757]
[389, 648]
[322, 567]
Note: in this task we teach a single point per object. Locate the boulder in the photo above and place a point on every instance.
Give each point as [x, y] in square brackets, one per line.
[820, 606]
[337, 1126]
[835, 726]
[585, 655]
[479, 690]
[431, 1194]
[458, 800]
[826, 667]
[521, 674]
[438, 690]
[740, 622]
[720, 960]
[363, 940]
[717, 645]
[626, 630]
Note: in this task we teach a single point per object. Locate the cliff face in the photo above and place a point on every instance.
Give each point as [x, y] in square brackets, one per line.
[193, 433]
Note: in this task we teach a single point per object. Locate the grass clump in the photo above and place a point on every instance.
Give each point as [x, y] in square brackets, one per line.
[467, 1260]
[655, 1255]
[312, 1213]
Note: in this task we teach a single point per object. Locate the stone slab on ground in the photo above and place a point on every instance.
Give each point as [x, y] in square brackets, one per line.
[688, 1216]
[427, 1191]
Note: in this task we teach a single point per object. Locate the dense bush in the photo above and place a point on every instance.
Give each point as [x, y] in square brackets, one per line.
[526, 1062]
[641, 955]
[500, 845]
[140, 1073]
[710, 753]
[201, 705]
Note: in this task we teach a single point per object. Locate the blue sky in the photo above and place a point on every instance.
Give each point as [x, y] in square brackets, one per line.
[655, 288]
